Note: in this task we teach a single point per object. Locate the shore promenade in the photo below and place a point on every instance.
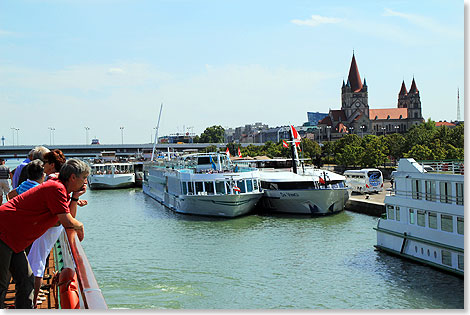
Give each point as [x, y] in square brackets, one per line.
[372, 204]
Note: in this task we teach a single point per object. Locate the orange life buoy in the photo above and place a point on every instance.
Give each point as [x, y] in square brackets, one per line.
[68, 289]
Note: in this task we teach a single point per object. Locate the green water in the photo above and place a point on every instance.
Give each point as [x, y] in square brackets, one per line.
[145, 256]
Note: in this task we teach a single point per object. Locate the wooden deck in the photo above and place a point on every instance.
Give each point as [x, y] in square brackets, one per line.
[50, 302]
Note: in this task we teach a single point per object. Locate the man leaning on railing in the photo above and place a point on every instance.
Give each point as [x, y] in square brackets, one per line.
[27, 216]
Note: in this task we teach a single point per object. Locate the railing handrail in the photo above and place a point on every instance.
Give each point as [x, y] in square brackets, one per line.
[91, 293]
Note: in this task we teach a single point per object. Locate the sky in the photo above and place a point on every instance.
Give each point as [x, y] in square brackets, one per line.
[68, 65]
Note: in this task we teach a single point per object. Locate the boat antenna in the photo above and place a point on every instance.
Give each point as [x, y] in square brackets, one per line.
[295, 157]
[156, 134]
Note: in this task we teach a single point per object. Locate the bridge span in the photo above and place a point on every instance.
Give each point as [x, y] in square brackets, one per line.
[92, 150]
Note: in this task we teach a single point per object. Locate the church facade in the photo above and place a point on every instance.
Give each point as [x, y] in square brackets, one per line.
[355, 116]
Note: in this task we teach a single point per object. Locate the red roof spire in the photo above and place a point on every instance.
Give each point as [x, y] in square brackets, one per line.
[403, 90]
[354, 78]
[413, 88]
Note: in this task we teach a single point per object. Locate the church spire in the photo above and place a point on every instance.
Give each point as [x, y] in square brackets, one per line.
[413, 88]
[354, 78]
[403, 90]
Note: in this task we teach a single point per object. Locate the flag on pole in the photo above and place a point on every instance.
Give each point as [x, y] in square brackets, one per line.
[236, 188]
[295, 134]
[239, 153]
[284, 144]
[228, 153]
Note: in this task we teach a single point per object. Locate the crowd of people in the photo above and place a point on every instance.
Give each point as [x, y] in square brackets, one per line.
[41, 202]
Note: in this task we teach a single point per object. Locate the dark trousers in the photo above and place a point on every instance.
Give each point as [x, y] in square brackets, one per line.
[18, 266]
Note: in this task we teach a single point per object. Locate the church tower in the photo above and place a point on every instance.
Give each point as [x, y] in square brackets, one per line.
[354, 96]
[403, 96]
[414, 102]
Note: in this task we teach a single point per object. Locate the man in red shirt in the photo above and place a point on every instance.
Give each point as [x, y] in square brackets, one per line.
[27, 216]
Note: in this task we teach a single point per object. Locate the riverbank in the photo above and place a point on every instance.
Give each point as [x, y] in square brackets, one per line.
[370, 204]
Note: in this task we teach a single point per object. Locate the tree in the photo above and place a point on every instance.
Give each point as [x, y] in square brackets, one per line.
[395, 145]
[374, 151]
[214, 134]
[311, 149]
[419, 152]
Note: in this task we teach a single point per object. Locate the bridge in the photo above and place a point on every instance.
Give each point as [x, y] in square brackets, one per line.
[92, 150]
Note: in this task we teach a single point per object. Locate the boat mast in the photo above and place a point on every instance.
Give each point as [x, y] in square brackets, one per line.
[295, 156]
[156, 134]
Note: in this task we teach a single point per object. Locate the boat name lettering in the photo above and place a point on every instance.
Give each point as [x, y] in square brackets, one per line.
[289, 194]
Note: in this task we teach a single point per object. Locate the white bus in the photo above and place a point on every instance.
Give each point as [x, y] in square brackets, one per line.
[366, 180]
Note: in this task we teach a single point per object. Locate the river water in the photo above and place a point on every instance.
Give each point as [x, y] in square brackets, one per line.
[145, 256]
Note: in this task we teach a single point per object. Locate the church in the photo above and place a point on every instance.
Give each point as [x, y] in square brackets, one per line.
[355, 116]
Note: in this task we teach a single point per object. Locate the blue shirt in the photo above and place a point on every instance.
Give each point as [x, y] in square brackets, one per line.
[26, 185]
[16, 176]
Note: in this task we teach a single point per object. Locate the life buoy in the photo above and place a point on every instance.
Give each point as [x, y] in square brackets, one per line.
[68, 289]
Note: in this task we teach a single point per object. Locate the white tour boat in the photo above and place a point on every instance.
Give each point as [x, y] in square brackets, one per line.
[424, 218]
[202, 184]
[107, 174]
[290, 187]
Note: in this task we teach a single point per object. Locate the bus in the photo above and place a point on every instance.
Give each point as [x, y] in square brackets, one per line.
[366, 180]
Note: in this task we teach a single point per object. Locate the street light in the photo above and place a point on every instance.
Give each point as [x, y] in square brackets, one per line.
[17, 136]
[122, 134]
[383, 130]
[51, 135]
[396, 128]
[328, 128]
[86, 133]
[362, 131]
[13, 134]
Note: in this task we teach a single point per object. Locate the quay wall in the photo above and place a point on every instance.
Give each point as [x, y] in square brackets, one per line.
[371, 208]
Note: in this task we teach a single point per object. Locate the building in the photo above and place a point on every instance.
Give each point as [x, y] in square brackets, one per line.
[314, 118]
[355, 116]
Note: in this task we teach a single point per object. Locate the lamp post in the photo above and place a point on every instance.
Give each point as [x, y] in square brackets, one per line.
[383, 130]
[13, 135]
[362, 131]
[86, 134]
[122, 134]
[396, 128]
[17, 136]
[328, 130]
[280, 129]
[351, 130]
[50, 135]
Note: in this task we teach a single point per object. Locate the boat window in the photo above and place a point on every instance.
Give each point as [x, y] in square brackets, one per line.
[203, 160]
[255, 185]
[190, 188]
[444, 192]
[184, 185]
[209, 186]
[460, 225]
[430, 190]
[390, 212]
[416, 188]
[241, 185]
[459, 193]
[446, 223]
[432, 220]
[220, 187]
[460, 261]
[397, 213]
[249, 185]
[446, 257]
[421, 218]
[199, 187]
[412, 216]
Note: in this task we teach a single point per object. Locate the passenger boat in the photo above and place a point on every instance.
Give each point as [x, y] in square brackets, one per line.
[424, 218]
[206, 184]
[108, 174]
[290, 187]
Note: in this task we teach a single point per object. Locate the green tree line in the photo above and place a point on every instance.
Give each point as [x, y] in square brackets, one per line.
[421, 142]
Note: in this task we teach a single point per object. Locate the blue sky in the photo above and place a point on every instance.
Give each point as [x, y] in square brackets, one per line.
[103, 64]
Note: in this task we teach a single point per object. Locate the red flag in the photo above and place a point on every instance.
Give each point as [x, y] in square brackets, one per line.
[227, 152]
[236, 188]
[284, 144]
[239, 153]
[295, 134]
[322, 181]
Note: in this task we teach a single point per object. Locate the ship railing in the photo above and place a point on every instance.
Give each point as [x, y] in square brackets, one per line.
[443, 166]
[74, 257]
[450, 199]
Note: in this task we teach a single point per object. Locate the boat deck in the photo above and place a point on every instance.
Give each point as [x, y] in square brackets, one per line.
[50, 302]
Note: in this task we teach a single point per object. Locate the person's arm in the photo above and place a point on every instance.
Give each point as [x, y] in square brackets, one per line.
[74, 201]
[12, 194]
[70, 222]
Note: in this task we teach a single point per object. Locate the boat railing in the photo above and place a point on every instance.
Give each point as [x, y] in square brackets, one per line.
[450, 199]
[444, 166]
[91, 296]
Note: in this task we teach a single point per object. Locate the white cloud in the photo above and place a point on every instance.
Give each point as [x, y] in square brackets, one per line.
[316, 20]
[113, 71]
[425, 23]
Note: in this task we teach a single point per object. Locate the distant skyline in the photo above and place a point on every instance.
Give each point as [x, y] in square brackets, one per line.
[105, 64]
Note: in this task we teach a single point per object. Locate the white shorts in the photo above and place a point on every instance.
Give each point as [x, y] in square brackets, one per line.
[4, 187]
[41, 248]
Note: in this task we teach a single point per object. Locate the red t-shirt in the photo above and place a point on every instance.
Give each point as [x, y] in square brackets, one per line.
[27, 216]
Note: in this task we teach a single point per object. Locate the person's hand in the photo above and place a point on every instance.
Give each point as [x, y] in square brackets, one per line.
[80, 233]
[82, 203]
[77, 194]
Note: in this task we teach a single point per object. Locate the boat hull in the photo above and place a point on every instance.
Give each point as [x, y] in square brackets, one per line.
[207, 205]
[313, 202]
[111, 181]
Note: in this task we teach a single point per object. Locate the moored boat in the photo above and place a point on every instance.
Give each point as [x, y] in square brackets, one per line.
[202, 184]
[424, 218]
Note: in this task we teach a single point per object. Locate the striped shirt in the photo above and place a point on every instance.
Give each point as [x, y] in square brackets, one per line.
[4, 172]
[26, 185]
